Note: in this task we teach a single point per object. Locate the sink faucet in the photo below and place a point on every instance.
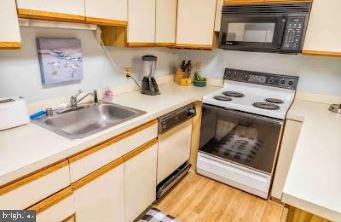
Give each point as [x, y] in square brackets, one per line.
[74, 101]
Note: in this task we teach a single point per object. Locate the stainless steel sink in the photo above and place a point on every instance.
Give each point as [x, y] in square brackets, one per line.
[87, 120]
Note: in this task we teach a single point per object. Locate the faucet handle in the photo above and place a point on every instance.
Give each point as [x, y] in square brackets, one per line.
[73, 99]
[78, 94]
[94, 93]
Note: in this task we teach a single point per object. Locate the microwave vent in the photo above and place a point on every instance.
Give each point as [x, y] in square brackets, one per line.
[268, 9]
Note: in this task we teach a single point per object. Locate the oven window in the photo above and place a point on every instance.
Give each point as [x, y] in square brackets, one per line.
[251, 32]
[240, 137]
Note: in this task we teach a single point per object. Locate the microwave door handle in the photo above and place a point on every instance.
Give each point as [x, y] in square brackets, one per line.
[282, 28]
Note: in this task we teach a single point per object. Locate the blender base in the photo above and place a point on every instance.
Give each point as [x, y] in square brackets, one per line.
[149, 86]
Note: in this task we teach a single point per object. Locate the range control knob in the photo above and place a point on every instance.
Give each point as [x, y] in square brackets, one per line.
[191, 112]
[290, 83]
[272, 80]
[283, 82]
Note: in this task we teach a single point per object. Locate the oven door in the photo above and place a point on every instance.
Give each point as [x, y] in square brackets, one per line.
[252, 32]
[243, 138]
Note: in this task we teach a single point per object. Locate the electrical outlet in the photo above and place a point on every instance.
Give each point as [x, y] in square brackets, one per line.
[128, 71]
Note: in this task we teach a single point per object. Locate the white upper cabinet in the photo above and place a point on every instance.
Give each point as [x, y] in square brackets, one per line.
[324, 29]
[141, 23]
[195, 24]
[10, 33]
[218, 14]
[63, 10]
[165, 22]
[107, 12]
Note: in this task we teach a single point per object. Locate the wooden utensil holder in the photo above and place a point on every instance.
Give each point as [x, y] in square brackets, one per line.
[181, 79]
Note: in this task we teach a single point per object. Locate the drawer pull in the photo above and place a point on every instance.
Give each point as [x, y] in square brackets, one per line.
[92, 176]
[31, 177]
[113, 140]
[50, 201]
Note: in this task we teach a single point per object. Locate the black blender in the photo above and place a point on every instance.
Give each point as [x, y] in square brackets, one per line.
[149, 85]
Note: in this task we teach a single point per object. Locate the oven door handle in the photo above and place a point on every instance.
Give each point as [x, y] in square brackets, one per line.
[244, 114]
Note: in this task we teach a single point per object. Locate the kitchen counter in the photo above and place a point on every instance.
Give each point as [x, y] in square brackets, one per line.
[314, 179]
[28, 148]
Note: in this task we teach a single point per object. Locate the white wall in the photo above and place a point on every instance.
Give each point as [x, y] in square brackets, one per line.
[20, 73]
[321, 75]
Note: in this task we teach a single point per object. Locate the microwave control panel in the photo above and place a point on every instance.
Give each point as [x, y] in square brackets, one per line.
[293, 33]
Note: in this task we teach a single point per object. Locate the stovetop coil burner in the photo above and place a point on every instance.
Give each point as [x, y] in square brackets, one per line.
[233, 94]
[268, 106]
[274, 100]
[223, 98]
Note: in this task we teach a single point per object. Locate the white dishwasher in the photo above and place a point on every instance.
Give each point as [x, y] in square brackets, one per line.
[175, 137]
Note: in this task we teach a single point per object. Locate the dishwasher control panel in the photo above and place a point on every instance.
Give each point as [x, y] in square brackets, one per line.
[175, 118]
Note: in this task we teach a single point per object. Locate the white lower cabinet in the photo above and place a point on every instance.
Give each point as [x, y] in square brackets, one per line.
[56, 208]
[291, 133]
[102, 199]
[35, 188]
[140, 182]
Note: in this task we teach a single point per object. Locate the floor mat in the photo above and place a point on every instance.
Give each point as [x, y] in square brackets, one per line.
[156, 215]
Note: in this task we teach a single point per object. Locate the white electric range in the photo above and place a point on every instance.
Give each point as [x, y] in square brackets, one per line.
[241, 127]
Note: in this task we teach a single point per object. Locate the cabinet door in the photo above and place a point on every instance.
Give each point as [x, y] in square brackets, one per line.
[98, 156]
[323, 33]
[56, 208]
[218, 14]
[35, 187]
[141, 23]
[140, 182]
[107, 12]
[165, 22]
[102, 199]
[195, 24]
[10, 34]
[290, 136]
[61, 10]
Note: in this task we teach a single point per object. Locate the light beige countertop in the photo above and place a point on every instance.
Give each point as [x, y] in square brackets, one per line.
[314, 179]
[29, 148]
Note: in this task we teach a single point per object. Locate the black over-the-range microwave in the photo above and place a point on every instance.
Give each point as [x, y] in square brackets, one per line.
[264, 28]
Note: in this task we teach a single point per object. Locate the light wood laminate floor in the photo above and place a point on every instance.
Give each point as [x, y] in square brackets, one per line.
[197, 198]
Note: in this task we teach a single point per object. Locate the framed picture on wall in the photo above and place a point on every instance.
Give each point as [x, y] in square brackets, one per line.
[60, 60]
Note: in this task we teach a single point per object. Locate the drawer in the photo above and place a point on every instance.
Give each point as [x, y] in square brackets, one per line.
[59, 207]
[31, 189]
[96, 157]
[235, 175]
